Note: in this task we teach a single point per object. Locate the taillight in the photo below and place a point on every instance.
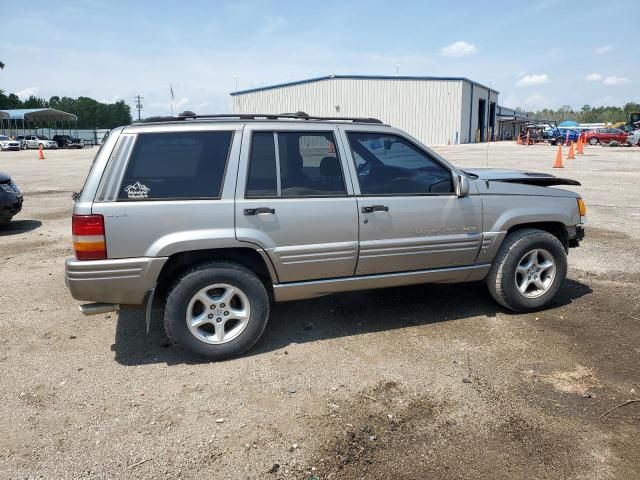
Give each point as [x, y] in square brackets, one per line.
[88, 237]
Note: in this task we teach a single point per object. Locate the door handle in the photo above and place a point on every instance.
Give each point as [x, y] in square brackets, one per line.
[375, 208]
[258, 211]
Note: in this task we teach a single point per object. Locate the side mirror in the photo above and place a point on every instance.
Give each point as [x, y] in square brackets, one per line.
[462, 186]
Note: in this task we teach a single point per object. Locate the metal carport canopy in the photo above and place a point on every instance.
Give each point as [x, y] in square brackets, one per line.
[4, 115]
[40, 114]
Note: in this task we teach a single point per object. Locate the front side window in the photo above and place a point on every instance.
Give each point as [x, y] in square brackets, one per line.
[306, 161]
[391, 165]
[176, 165]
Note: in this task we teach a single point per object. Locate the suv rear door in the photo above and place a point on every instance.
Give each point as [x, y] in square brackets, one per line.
[294, 200]
[410, 216]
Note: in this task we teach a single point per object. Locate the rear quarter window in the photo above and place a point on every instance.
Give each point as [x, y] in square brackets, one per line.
[178, 165]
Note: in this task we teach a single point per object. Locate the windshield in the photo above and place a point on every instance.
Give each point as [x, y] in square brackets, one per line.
[42, 137]
[3, 138]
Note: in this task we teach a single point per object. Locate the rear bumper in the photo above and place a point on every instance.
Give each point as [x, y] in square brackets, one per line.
[122, 281]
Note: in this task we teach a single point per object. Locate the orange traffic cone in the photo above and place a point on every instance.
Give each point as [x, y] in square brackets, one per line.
[41, 153]
[580, 150]
[528, 139]
[519, 141]
[571, 155]
[558, 162]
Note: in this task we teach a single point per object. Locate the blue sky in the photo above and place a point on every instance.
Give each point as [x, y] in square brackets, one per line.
[543, 53]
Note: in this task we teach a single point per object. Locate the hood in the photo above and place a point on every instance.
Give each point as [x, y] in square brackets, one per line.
[519, 176]
[4, 177]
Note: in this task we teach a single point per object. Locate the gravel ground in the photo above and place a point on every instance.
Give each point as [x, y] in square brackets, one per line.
[432, 381]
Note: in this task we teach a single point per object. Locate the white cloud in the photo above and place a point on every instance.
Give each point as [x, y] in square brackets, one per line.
[27, 92]
[593, 77]
[529, 80]
[511, 101]
[458, 49]
[603, 50]
[537, 101]
[613, 80]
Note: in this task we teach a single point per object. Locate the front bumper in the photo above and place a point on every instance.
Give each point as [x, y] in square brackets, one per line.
[575, 235]
[10, 204]
[123, 281]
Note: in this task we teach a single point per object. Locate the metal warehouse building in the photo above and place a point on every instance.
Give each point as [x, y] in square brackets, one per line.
[435, 110]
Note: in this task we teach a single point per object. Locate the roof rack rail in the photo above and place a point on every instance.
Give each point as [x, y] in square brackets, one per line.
[254, 116]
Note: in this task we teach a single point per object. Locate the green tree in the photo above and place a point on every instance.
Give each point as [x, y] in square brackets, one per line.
[91, 113]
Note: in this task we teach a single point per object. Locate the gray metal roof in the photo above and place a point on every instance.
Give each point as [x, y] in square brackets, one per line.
[41, 114]
[360, 77]
[4, 115]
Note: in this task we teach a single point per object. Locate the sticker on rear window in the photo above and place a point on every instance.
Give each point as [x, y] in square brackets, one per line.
[137, 190]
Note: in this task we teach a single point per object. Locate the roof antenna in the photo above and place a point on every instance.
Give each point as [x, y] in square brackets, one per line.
[172, 98]
[397, 69]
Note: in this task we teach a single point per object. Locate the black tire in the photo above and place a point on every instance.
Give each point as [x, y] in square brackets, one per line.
[594, 141]
[559, 141]
[200, 277]
[501, 278]
[4, 221]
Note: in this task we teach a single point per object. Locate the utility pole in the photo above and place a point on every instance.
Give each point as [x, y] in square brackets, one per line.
[138, 104]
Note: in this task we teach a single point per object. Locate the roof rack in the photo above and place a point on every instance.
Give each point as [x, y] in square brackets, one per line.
[254, 116]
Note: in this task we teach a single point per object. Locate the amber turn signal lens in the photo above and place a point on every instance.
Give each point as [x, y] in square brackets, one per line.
[582, 208]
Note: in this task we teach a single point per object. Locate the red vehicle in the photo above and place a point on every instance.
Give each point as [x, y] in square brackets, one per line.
[606, 135]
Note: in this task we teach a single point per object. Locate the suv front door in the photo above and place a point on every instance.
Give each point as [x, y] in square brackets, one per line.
[294, 201]
[410, 217]
[32, 141]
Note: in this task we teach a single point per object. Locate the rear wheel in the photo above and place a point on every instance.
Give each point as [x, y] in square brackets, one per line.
[593, 141]
[528, 270]
[217, 310]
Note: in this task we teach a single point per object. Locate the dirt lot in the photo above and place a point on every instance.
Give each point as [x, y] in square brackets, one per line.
[432, 382]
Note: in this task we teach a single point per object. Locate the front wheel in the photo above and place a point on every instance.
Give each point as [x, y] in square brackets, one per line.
[593, 141]
[217, 310]
[528, 270]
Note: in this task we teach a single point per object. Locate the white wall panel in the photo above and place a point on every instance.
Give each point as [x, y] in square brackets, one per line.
[431, 110]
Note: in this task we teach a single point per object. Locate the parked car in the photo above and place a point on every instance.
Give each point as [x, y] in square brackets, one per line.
[67, 141]
[222, 214]
[634, 138]
[606, 135]
[7, 144]
[34, 141]
[562, 135]
[10, 199]
[22, 139]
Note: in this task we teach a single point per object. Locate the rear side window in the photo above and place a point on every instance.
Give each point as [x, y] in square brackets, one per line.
[262, 179]
[307, 163]
[176, 165]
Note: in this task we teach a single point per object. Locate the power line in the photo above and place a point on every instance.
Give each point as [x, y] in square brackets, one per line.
[138, 104]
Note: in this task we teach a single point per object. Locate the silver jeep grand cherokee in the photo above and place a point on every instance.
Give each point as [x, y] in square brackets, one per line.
[223, 214]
